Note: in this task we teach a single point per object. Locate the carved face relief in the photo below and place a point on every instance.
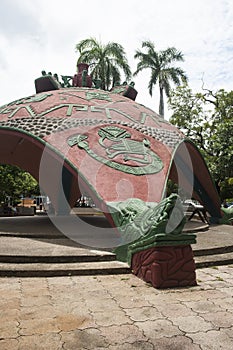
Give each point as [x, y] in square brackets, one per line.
[121, 151]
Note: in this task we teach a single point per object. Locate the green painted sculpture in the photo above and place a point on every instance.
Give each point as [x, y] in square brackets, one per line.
[84, 78]
[122, 147]
[227, 217]
[146, 225]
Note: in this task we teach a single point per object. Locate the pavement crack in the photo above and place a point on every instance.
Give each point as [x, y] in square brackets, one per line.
[192, 341]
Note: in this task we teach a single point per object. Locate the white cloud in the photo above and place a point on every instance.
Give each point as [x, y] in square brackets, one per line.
[42, 34]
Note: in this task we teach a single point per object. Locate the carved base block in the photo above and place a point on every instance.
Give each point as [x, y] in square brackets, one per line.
[165, 267]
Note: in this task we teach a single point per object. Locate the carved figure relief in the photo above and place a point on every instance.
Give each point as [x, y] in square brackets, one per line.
[121, 149]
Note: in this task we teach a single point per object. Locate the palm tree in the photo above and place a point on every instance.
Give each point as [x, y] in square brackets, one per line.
[106, 61]
[162, 71]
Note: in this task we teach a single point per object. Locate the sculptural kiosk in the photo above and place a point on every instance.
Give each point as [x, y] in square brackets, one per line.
[122, 154]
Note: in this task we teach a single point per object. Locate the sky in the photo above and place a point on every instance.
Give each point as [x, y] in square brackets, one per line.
[42, 34]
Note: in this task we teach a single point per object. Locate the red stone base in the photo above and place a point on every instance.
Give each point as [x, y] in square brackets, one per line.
[166, 267]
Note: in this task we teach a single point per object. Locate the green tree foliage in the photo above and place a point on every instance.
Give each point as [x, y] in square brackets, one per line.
[106, 61]
[207, 119]
[163, 73]
[226, 189]
[15, 182]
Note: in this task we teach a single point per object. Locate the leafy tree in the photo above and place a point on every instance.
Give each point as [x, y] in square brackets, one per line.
[15, 182]
[190, 115]
[207, 119]
[106, 61]
[160, 63]
[226, 189]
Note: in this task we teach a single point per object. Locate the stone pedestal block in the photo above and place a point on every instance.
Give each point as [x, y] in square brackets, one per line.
[165, 267]
[82, 79]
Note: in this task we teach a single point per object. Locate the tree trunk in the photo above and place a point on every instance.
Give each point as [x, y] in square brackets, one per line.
[161, 102]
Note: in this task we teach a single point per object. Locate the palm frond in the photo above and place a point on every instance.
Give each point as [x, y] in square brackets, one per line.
[149, 45]
[85, 44]
[106, 60]
[170, 55]
[153, 80]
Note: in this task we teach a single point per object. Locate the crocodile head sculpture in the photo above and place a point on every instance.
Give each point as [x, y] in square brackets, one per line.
[145, 225]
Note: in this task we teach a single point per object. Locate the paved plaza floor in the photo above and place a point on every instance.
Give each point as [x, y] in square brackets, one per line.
[116, 312]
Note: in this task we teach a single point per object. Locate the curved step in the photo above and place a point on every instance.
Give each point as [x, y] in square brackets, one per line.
[57, 259]
[214, 260]
[213, 251]
[71, 269]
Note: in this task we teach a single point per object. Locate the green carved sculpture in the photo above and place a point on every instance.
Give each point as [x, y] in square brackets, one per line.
[124, 153]
[146, 225]
[98, 96]
[67, 81]
[84, 78]
[227, 218]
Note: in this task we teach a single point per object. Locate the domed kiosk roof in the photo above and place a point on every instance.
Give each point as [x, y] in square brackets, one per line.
[102, 142]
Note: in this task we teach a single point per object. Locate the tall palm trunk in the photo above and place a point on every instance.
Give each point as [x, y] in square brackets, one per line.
[161, 102]
[162, 70]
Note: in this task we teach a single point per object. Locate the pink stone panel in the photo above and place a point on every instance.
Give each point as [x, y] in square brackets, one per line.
[111, 184]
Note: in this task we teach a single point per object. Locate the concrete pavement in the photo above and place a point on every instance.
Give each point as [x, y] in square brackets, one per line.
[116, 312]
[113, 311]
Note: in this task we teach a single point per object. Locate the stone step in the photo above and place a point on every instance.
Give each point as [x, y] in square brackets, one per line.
[213, 251]
[213, 260]
[57, 259]
[69, 269]
[49, 266]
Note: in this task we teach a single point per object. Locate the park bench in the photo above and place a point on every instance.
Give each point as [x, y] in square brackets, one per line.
[192, 209]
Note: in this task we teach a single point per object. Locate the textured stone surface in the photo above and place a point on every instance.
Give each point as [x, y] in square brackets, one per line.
[123, 334]
[176, 343]
[116, 313]
[8, 344]
[165, 267]
[137, 345]
[51, 341]
[192, 324]
[83, 339]
[214, 340]
[159, 328]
